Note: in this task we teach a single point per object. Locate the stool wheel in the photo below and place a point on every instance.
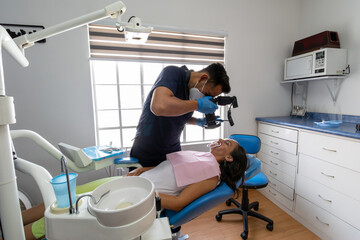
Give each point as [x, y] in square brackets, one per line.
[256, 207]
[269, 226]
[244, 235]
[228, 202]
[218, 217]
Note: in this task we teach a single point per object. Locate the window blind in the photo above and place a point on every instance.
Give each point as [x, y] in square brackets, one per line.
[164, 46]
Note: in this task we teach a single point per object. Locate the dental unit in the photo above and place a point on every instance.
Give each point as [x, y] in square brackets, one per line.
[121, 209]
[132, 218]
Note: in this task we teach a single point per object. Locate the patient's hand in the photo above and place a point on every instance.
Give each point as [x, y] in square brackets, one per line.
[138, 171]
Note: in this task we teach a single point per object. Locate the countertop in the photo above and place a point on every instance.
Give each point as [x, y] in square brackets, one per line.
[346, 129]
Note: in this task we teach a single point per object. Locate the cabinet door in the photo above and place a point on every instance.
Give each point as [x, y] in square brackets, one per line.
[327, 223]
[335, 150]
[298, 66]
[278, 164]
[278, 175]
[278, 143]
[273, 194]
[281, 188]
[338, 204]
[279, 132]
[338, 178]
[289, 158]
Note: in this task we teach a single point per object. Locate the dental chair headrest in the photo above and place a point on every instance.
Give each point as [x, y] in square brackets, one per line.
[250, 143]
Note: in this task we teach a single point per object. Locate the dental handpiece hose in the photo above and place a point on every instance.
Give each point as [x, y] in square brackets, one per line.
[158, 204]
[64, 169]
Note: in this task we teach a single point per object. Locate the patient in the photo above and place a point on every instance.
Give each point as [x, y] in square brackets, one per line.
[181, 179]
[187, 175]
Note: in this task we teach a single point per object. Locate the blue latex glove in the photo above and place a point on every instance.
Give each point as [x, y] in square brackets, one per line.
[218, 119]
[206, 106]
[202, 121]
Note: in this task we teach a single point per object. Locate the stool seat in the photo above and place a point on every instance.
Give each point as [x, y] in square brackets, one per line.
[258, 181]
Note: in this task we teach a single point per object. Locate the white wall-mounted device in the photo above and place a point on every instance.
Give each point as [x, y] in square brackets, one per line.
[323, 62]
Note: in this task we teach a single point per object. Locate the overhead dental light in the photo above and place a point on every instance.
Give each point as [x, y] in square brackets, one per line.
[134, 31]
[9, 198]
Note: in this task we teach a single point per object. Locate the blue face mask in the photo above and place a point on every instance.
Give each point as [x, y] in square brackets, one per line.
[195, 94]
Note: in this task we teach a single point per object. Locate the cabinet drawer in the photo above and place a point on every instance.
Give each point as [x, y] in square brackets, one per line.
[276, 163]
[339, 151]
[281, 188]
[327, 223]
[278, 175]
[280, 132]
[340, 205]
[279, 154]
[272, 194]
[340, 179]
[278, 143]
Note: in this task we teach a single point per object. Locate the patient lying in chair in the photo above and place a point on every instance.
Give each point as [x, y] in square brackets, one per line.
[187, 175]
[184, 177]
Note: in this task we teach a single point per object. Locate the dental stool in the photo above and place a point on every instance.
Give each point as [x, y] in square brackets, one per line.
[245, 209]
[220, 194]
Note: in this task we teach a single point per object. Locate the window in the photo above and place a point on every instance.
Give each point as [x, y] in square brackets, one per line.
[121, 85]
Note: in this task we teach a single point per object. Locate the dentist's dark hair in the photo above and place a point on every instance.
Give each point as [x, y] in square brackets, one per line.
[231, 172]
[218, 76]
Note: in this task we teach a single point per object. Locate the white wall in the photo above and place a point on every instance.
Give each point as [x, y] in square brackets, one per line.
[342, 17]
[259, 40]
[53, 95]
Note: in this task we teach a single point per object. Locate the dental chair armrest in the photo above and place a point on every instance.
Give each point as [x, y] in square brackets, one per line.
[41, 176]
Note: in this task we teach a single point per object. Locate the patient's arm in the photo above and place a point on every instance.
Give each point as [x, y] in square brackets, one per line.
[189, 194]
[138, 171]
[33, 214]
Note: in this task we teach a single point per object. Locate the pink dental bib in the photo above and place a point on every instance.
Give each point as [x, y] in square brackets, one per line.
[192, 167]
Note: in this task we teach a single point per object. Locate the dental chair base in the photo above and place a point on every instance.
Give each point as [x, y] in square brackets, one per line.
[179, 236]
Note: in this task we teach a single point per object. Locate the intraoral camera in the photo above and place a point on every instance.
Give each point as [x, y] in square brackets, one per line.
[211, 121]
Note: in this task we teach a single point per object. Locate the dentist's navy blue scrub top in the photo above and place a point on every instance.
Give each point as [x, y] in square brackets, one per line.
[157, 136]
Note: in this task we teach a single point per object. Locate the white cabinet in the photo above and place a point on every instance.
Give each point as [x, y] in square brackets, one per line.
[323, 221]
[328, 174]
[337, 150]
[316, 184]
[278, 155]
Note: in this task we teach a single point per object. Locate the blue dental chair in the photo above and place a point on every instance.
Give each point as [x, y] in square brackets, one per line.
[245, 209]
[222, 193]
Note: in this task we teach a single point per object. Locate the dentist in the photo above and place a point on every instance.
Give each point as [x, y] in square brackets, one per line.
[176, 94]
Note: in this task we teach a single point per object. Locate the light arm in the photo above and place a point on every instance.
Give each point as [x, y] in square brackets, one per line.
[45, 145]
[114, 10]
[9, 45]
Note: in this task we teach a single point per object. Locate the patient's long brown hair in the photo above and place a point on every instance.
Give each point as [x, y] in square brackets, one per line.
[231, 172]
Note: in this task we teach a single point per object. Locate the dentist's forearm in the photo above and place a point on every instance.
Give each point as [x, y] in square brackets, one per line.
[164, 103]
